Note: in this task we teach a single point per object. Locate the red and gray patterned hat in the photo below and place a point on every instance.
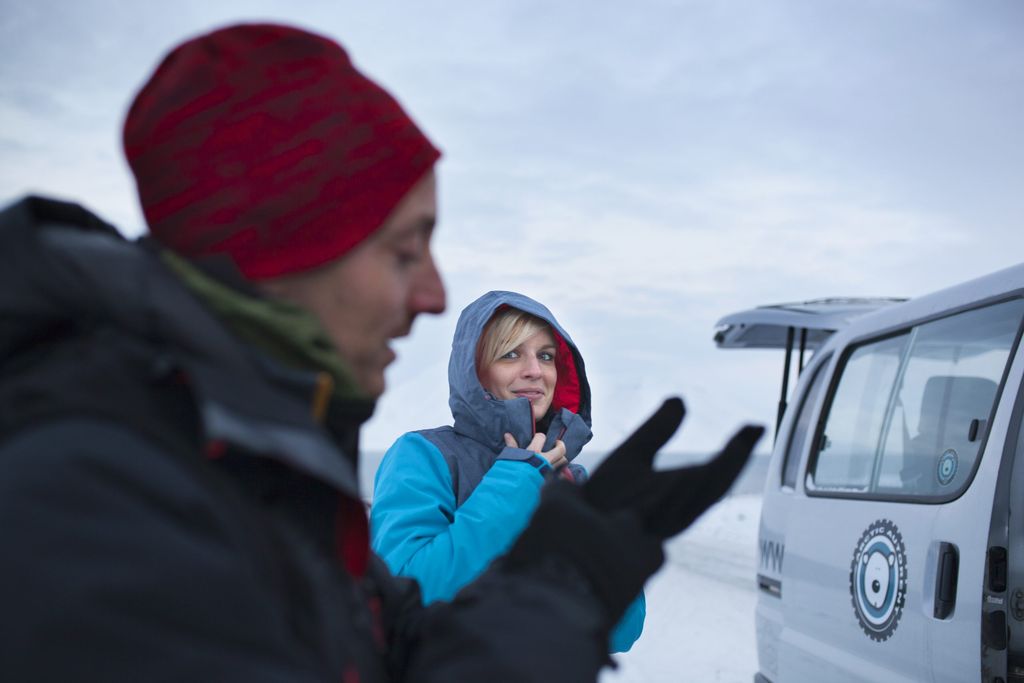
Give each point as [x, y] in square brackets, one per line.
[264, 143]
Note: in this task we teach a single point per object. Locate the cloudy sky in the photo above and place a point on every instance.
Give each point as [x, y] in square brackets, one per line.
[642, 168]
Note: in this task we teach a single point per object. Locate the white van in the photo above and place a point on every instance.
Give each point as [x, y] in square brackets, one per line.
[888, 546]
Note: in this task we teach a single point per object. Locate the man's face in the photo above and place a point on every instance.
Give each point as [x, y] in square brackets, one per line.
[372, 294]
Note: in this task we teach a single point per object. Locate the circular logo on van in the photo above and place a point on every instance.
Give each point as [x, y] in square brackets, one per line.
[946, 468]
[878, 579]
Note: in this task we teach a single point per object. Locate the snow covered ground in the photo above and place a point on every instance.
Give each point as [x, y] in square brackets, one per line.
[700, 606]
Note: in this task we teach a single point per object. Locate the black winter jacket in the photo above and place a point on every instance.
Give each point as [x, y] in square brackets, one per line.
[170, 510]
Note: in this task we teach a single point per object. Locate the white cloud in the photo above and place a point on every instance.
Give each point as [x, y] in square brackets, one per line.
[642, 169]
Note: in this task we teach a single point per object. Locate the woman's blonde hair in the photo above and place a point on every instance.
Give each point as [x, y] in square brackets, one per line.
[507, 329]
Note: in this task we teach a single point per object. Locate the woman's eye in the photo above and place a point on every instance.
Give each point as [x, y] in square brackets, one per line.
[511, 355]
[546, 356]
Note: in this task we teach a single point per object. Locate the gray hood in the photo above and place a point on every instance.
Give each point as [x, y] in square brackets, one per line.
[483, 418]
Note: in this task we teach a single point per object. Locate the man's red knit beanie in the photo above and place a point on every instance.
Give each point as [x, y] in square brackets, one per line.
[264, 143]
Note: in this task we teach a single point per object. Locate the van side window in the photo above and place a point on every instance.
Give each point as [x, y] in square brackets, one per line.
[798, 436]
[909, 414]
[847, 450]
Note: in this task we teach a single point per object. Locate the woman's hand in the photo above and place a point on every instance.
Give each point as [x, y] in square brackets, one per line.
[555, 457]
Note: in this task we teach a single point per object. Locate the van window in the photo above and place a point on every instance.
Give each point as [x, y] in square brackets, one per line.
[798, 436]
[857, 416]
[909, 413]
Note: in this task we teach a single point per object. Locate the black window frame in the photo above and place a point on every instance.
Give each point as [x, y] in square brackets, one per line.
[818, 371]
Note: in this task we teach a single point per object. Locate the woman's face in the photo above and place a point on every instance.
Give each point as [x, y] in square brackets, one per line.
[527, 371]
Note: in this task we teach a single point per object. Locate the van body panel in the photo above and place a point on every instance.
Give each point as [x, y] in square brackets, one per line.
[1006, 543]
[861, 587]
[769, 617]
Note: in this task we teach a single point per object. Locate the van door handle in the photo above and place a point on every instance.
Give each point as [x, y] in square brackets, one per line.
[946, 575]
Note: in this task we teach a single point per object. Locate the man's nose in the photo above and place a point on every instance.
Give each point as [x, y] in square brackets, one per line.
[427, 295]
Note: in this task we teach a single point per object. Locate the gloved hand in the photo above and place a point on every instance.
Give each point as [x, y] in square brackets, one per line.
[666, 501]
[619, 519]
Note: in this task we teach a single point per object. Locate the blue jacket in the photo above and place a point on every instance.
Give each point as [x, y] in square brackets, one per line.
[447, 501]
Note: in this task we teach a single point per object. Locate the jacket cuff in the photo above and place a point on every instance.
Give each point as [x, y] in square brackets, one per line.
[529, 457]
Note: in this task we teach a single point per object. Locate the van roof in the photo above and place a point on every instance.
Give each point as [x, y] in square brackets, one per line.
[767, 327]
[990, 287]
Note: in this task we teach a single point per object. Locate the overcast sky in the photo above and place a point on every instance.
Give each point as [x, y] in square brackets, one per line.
[642, 168]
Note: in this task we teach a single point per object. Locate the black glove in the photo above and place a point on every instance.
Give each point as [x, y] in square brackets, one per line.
[666, 501]
[618, 520]
[609, 554]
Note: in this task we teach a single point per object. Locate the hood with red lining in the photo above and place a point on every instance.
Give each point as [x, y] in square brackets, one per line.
[484, 418]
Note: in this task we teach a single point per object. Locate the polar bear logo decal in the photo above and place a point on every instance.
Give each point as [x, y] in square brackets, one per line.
[878, 579]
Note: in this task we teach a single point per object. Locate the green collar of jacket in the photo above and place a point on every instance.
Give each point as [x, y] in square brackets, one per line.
[284, 331]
